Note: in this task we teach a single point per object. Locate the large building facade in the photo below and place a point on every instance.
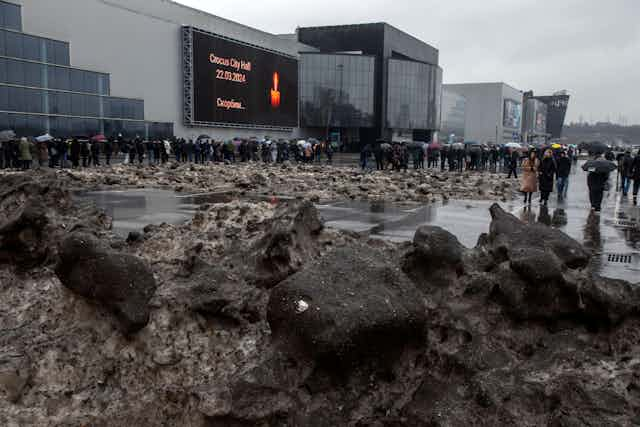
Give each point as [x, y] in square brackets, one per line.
[156, 68]
[43, 91]
[368, 81]
[454, 117]
[493, 111]
[134, 50]
[556, 111]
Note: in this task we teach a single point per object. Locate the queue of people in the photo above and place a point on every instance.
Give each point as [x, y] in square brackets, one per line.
[91, 152]
[453, 157]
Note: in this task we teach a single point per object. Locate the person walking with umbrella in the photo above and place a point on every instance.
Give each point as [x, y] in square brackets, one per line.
[599, 170]
[530, 168]
[548, 172]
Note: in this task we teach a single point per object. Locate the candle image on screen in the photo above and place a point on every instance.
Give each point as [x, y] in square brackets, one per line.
[275, 93]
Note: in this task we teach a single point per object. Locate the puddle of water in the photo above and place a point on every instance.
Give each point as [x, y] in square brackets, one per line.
[132, 210]
[617, 230]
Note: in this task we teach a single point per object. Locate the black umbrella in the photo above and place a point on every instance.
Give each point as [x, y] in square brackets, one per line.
[598, 147]
[600, 166]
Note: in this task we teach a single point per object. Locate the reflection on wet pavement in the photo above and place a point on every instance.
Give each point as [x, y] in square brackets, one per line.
[615, 232]
[132, 210]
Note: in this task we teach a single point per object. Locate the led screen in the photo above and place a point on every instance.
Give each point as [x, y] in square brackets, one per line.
[512, 114]
[237, 84]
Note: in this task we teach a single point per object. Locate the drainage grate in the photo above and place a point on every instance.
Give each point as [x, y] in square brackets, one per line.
[619, 258]
[623, 223]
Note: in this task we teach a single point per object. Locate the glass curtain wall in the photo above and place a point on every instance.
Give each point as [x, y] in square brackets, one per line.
[337, 90]
[414, 95]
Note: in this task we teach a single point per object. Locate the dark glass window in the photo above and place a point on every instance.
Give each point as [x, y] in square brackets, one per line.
[92, 106]
[10, 16]
[3, 42]
[77, 104]
[3, 70]
[16, 99]
[33, 74]
[62, 56]
[51, 51]
[57, 52]
[77, 80]
[14, 44]
[31, 48]
[92, 127]
[90, 82]
[62, 79]
[414, 95]
[34, 101]
[60, 127]
[59, 103]
[337, 90]
[78, 127]
[104, 84]
[4, 121]
[35, 125]
[4, 98]
[15, 72]
[18, 123]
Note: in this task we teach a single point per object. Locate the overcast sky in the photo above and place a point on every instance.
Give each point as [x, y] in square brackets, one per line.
[589, 47]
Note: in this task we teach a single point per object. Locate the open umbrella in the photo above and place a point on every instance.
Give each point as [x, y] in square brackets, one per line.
[98, 138]
[468, 143]
[457, 146]
[601, 166]
[513, 145]
[204, 137]
[435, 146]
[556, 146]
[415, 144]
[7, 135]
[44, 138]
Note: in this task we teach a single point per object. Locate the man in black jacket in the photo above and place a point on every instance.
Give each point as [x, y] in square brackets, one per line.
[564, 169]
[599, 171]
[635, 175]
[626, 172]
[513, 164]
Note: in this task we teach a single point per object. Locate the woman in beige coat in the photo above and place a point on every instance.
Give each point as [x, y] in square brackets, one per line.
[530, 168]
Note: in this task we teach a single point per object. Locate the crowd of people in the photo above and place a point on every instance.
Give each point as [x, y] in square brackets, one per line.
[87, 152]
[453, 157]
[542, 169]
[551, 169]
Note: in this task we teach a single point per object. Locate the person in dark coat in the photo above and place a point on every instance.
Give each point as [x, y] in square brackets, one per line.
[564, 169]
[364, 156]
[75, 153]
[597, 180]
[108, 150]
[635, 175]
[547, 171]
[139, 146]
[513, 164]
[132, 152]
[626, 172]
[95, 153]
[85, 152]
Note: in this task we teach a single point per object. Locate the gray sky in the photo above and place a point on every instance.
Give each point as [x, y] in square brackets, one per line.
[589, 47]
